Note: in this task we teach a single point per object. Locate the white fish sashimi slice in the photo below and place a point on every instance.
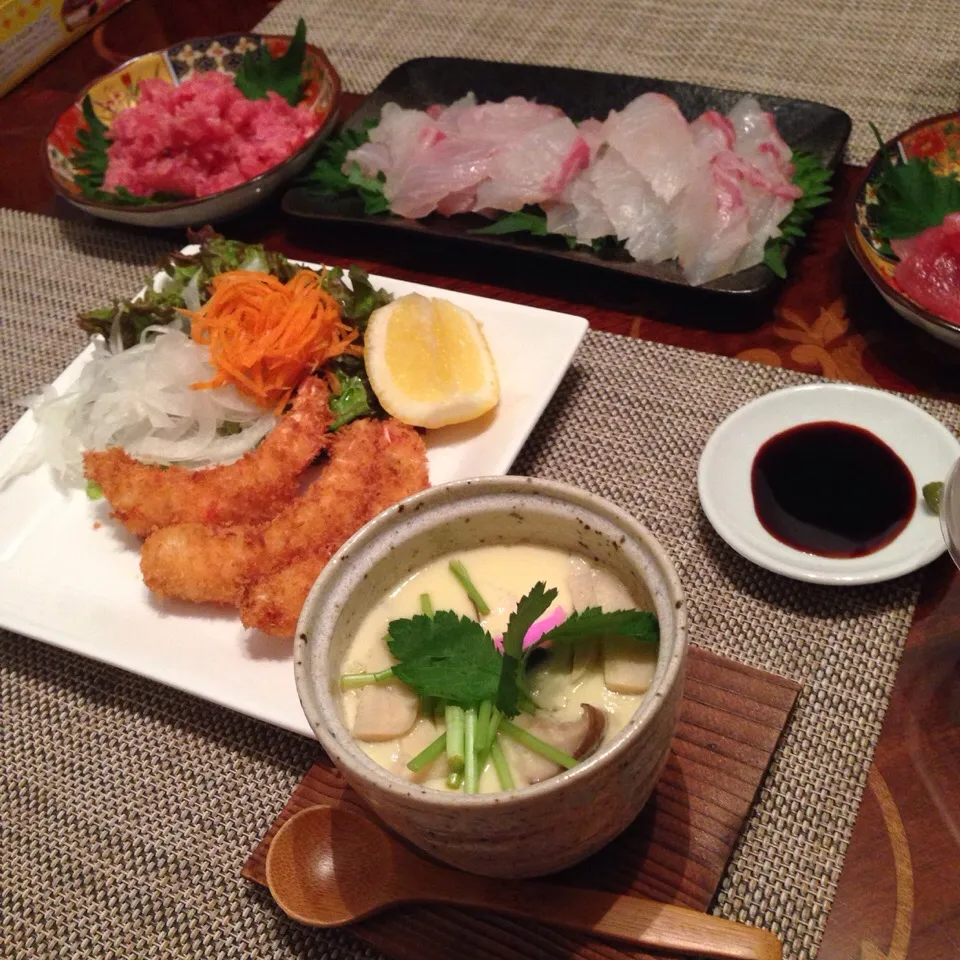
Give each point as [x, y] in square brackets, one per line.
[769, 198]
[757, 135]
[371, 158]
[498, 123]
[712, 133]
[592, 131]
[610, 198]
[655, 139]
[535, 167]
[760, 145]
[421, 164]
[767, 213]
[462, 201]
[438, 110]
[579, 213]
[638, 216]
[712, 222]
[450, 167]
[399, 136]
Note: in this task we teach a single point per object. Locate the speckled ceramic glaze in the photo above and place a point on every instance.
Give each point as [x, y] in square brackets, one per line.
[120, 88]
[533, 830]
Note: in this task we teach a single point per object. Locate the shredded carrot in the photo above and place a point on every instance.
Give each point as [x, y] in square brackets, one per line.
[265, 336]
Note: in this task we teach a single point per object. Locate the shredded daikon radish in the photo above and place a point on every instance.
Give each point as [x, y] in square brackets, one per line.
[141, 399]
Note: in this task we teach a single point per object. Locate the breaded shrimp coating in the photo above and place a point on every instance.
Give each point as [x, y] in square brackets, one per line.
[273, 603]
[147, 497]
[267, 569]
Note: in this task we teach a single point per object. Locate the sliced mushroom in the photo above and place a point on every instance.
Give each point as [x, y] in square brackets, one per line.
[384, 712]
[579, 738]
[628, 666]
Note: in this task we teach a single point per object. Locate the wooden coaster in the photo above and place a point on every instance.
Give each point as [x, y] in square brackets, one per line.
[675, 851]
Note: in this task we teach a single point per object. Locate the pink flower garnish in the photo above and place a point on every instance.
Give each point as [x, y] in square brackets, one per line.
[537, 630]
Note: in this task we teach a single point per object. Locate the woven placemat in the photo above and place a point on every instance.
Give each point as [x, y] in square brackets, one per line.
[884, 61]
[730, 721]
[126, 809]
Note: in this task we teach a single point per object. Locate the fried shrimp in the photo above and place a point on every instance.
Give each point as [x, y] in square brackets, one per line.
[146, 497]
[371, 466]
[273, 603]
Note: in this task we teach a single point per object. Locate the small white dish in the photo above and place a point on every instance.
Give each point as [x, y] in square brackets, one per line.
[924, 444]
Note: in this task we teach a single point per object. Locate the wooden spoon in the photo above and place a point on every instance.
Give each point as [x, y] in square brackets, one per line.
[328, 867]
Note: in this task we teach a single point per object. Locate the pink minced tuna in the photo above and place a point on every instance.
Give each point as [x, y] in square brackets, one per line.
[201, 137]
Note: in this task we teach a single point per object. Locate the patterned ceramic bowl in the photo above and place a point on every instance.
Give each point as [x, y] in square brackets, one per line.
[537, 829]
[120, 89]
[936, 139]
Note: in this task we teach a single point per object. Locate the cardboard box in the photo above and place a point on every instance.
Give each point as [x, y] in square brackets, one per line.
[32, 31]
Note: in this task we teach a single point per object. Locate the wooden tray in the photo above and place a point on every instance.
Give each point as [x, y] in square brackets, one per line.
[676, 851]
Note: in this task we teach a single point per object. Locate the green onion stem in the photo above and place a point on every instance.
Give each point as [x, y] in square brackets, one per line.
[528, 740]
[453, 717]
[501, 766]
[470, 750]
[460, 572]
[426, 605]
[454, 779]
[350, 680]
[428, 754]
[495, 717]
[483, 724]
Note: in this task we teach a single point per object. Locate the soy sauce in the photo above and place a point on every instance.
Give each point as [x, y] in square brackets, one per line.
[832, 489]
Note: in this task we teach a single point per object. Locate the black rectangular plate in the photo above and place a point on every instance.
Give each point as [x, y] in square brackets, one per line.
[810, 127]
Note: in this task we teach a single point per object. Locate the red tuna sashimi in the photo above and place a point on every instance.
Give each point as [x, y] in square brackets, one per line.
[930, 272]
[201, 137]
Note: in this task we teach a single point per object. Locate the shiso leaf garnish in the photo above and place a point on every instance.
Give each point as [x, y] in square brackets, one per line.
[911, 196]
[89, 161]
[813, 178]
[261, 72]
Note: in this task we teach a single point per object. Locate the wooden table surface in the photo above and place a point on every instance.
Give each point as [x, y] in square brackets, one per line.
[899, 895]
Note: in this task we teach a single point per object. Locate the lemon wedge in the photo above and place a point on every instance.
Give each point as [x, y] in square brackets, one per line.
[428, 362]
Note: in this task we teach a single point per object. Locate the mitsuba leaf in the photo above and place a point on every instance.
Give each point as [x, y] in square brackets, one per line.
[640, 625]
[261, 72]
[512, 688]
[445, 656]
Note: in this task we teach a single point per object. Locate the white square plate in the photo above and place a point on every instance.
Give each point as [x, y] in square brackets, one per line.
[67, 583]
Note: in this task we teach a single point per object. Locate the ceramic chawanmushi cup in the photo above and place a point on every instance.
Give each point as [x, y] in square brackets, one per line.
[536, 829]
